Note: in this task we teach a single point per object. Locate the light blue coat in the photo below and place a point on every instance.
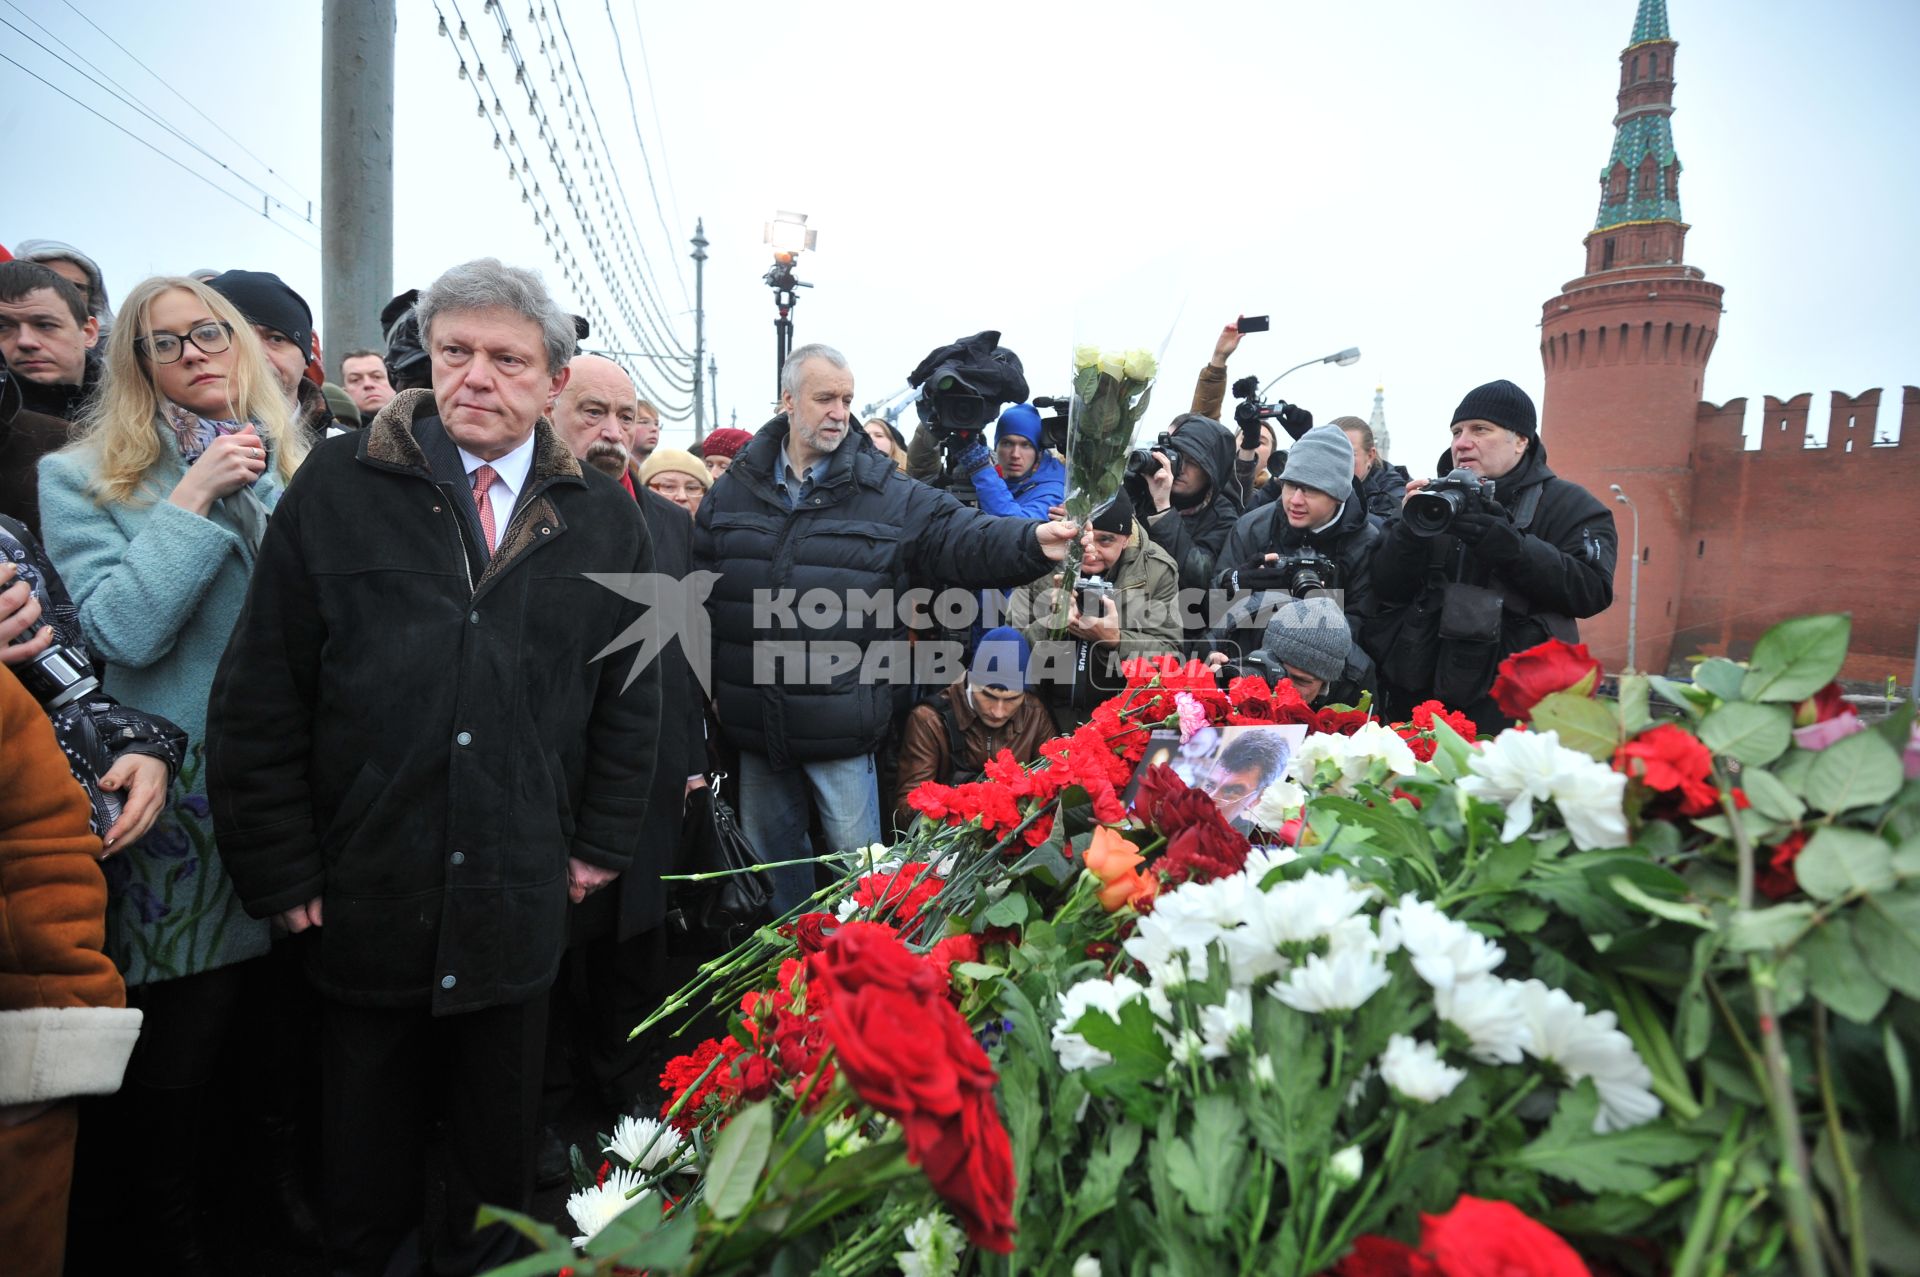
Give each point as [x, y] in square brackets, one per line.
[159, 589]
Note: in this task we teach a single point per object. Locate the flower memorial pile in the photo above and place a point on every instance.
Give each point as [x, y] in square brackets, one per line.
[1628, 988]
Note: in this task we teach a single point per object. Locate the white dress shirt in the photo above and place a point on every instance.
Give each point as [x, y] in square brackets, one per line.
[510, 474]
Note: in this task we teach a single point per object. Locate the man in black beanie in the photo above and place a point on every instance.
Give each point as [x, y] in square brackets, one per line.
[283, 322]
[1510, 570]
[1126, 603]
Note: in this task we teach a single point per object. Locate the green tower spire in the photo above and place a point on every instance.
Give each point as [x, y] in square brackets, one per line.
[1641, 182]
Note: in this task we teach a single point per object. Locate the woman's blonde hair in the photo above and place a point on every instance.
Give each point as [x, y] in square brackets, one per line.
[119, 427]
[893, 448]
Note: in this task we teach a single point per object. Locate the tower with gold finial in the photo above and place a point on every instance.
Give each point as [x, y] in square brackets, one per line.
[1378, 421]
[1626, 348]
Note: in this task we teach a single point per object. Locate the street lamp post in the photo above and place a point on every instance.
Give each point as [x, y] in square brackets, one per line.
[1341, 359]
[789, 235]
[1633, 579]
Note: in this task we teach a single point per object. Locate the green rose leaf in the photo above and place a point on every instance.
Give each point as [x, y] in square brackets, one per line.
[1693, 700]
[1797, 658]
[1752, 929]
[1837, 975]
[739, 1155]
[1589, 726]
[1856, 772]
[1836, 861]
[1680, 911]
[1721, 677]
[1009, 910]
[1636, 714]
[1886, 929]
[1770, 796]
[1753, 734]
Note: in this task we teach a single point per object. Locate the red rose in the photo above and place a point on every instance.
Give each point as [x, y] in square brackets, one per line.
[1201, 846]
[1525, 678]
[810, 931]
[1479, 1237]
[1158, 784]
[1672, 762]
[1777, 879]
[1334, 721]
[1382, 1257]
[866, 953]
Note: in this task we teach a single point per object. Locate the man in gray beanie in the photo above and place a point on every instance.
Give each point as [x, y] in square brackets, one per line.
[1507, 571]
[1308, 641]
[1320, 514]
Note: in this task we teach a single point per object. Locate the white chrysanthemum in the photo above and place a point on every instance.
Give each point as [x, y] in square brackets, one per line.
[1519, 768]
[1279, 802]
[1173, 939]
[1308, 907]
[1186, 1046]
[936, 1247]
[1263, 860]
[1488, 1012]
[1415, 1070]
[594, 1208]
[1086, 1266]
[1263, 1071]
[1444, 952]
[1585, 1044]
[646, 1144]
[1097, 994]
[1340, 981]
[1346, 1166]
[1221, 1026]
[1352, 758]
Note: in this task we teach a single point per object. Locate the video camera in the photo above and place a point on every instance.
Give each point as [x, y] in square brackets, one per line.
[1053, 428]
[963, 386]
[1295, 420]
[1432, 510]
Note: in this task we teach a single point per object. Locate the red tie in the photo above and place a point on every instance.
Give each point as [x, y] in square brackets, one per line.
[483, 479]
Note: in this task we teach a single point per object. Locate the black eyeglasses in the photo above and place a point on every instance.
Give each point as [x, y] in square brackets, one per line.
[209, 338]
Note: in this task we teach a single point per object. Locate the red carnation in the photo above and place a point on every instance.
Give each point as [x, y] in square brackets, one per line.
[1777, 879]
[1525, 678]
[1672, 762]
[1382, 1257]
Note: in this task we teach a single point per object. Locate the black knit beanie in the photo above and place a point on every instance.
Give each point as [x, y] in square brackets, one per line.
[1502, 403]
[265, 299]
[1115, 516]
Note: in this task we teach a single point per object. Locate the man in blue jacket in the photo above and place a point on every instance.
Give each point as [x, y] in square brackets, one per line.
[1028, 480]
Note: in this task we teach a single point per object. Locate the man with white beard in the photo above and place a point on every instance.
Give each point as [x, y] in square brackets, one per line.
[596, 416]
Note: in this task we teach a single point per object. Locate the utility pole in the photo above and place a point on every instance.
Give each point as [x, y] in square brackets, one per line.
[356, 172]
[699, 325]
[713, 389]
[1633, 587]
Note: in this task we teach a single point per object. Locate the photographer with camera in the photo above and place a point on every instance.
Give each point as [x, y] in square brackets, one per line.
[1491, 559]
[1309, 643]
[1182, 489]
[1028, 479]
[1125, 603]
[1316, 538]
[1255, 468]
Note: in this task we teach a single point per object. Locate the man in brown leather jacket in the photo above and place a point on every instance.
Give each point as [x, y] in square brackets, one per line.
[950, 736]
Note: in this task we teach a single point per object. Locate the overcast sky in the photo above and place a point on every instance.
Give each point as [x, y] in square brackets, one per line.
[1410, 177]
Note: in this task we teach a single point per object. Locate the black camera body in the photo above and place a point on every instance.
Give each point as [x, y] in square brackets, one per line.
[58, 676]
[1301, 574]
[1432, 510]
[1141, 463]
[1250, 410]
[1254, 661]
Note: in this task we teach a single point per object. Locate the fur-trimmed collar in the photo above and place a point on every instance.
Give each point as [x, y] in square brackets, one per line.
[390, 441]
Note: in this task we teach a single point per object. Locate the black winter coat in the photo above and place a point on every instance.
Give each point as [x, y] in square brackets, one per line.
[420, 734]
[1194, 538]
[865, 526]
[1558, 570]
[1385, 487]
[1349, 543]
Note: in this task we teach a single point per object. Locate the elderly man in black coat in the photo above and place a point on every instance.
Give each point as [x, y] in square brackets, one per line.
[817, 537]
[413, 748]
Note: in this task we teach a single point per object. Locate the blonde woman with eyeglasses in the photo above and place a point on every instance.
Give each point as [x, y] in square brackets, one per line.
[153, 515]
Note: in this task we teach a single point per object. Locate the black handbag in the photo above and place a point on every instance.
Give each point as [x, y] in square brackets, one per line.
[735, 906]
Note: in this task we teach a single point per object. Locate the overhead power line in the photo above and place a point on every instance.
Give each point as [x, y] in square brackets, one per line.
[168, 86]
[171, 159]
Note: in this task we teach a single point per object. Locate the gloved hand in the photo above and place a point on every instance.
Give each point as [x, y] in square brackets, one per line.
[1490, 531]
[1250, 435]
[974, 457]
[1296, 419]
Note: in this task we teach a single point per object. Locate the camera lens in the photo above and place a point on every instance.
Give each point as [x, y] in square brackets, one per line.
[1429, 514]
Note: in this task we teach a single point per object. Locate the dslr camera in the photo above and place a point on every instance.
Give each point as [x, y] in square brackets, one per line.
[1142, 464]
[1432, 510]
[1301, 575]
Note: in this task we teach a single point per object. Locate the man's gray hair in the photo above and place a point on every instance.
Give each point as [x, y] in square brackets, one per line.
[487, 283]
[790, 371]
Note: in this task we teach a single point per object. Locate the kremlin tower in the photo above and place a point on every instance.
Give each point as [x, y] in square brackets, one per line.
[1626, 346]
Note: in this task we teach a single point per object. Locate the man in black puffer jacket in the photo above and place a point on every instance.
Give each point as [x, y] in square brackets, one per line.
[1504, 577]
[1190, 514]
[1321, 511]
[808, 524]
